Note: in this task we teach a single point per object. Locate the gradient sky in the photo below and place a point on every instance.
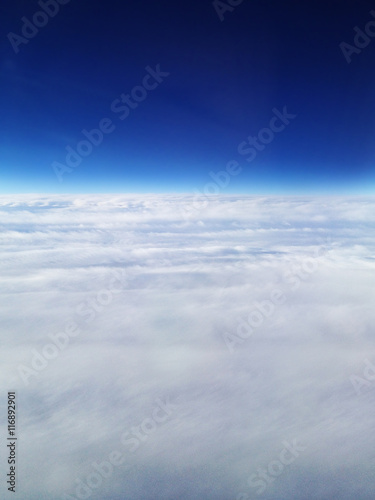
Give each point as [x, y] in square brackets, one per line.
[225, 79]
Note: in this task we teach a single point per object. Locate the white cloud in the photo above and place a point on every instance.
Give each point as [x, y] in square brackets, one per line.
[184, 283]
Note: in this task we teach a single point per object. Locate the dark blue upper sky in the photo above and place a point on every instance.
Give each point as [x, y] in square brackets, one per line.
[220, 84]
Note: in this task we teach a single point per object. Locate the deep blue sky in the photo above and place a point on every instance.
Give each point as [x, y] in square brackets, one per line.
[225, 79]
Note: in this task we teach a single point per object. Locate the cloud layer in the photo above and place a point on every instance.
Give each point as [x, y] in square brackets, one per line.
[167, 353]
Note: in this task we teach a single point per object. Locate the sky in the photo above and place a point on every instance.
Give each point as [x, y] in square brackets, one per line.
[204, 79]
[197, 351]
[186, 284]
